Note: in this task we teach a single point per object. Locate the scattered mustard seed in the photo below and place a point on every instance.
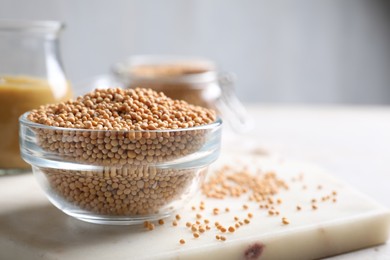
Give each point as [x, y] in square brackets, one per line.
[285, 221]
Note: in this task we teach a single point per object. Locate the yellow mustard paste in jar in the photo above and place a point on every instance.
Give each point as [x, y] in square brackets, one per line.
[19, 94]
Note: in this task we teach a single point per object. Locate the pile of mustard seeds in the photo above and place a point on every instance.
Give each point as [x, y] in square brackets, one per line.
[126, 131]
[259, 193]
[123, 109]
[121, 118]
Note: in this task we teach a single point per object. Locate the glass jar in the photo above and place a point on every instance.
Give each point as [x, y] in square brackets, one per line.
[194, 80]
[31, 74]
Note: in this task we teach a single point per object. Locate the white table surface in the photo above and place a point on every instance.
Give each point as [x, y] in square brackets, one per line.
[351, 142]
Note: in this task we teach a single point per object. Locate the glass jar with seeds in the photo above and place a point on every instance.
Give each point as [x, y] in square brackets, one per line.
[195, 80]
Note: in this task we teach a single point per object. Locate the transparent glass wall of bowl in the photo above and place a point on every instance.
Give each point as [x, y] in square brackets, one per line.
[81, 179]
[31, 74]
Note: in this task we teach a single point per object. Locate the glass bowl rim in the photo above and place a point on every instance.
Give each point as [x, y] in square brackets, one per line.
[24, 121]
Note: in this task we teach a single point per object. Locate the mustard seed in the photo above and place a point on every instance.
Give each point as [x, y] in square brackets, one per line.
[150, 226]
[285, 221]
[223, 238]
[247, 221]
[174, 223]
[196, 235]
[231, 229]
[188, 224]
[182, 241]
[161, 221]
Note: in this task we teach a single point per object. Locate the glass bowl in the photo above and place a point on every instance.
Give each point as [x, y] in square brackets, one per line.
[119, 177]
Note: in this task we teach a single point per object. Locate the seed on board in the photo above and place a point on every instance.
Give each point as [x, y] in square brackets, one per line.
[218, 237]
[178, 217]
[161, 221]
[188, 224]
[298, 207]
[314, 206]
[285, 221]
[223, 238]
[231, 229]
[245, 207]
[250, 215]
[247, 221]
[198, 216]
[174, 223]
[182, 241]
[196, 235]
[150, 226]
[194, 228]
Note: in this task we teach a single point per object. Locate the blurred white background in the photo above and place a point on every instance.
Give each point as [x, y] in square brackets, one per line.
[297, 51]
